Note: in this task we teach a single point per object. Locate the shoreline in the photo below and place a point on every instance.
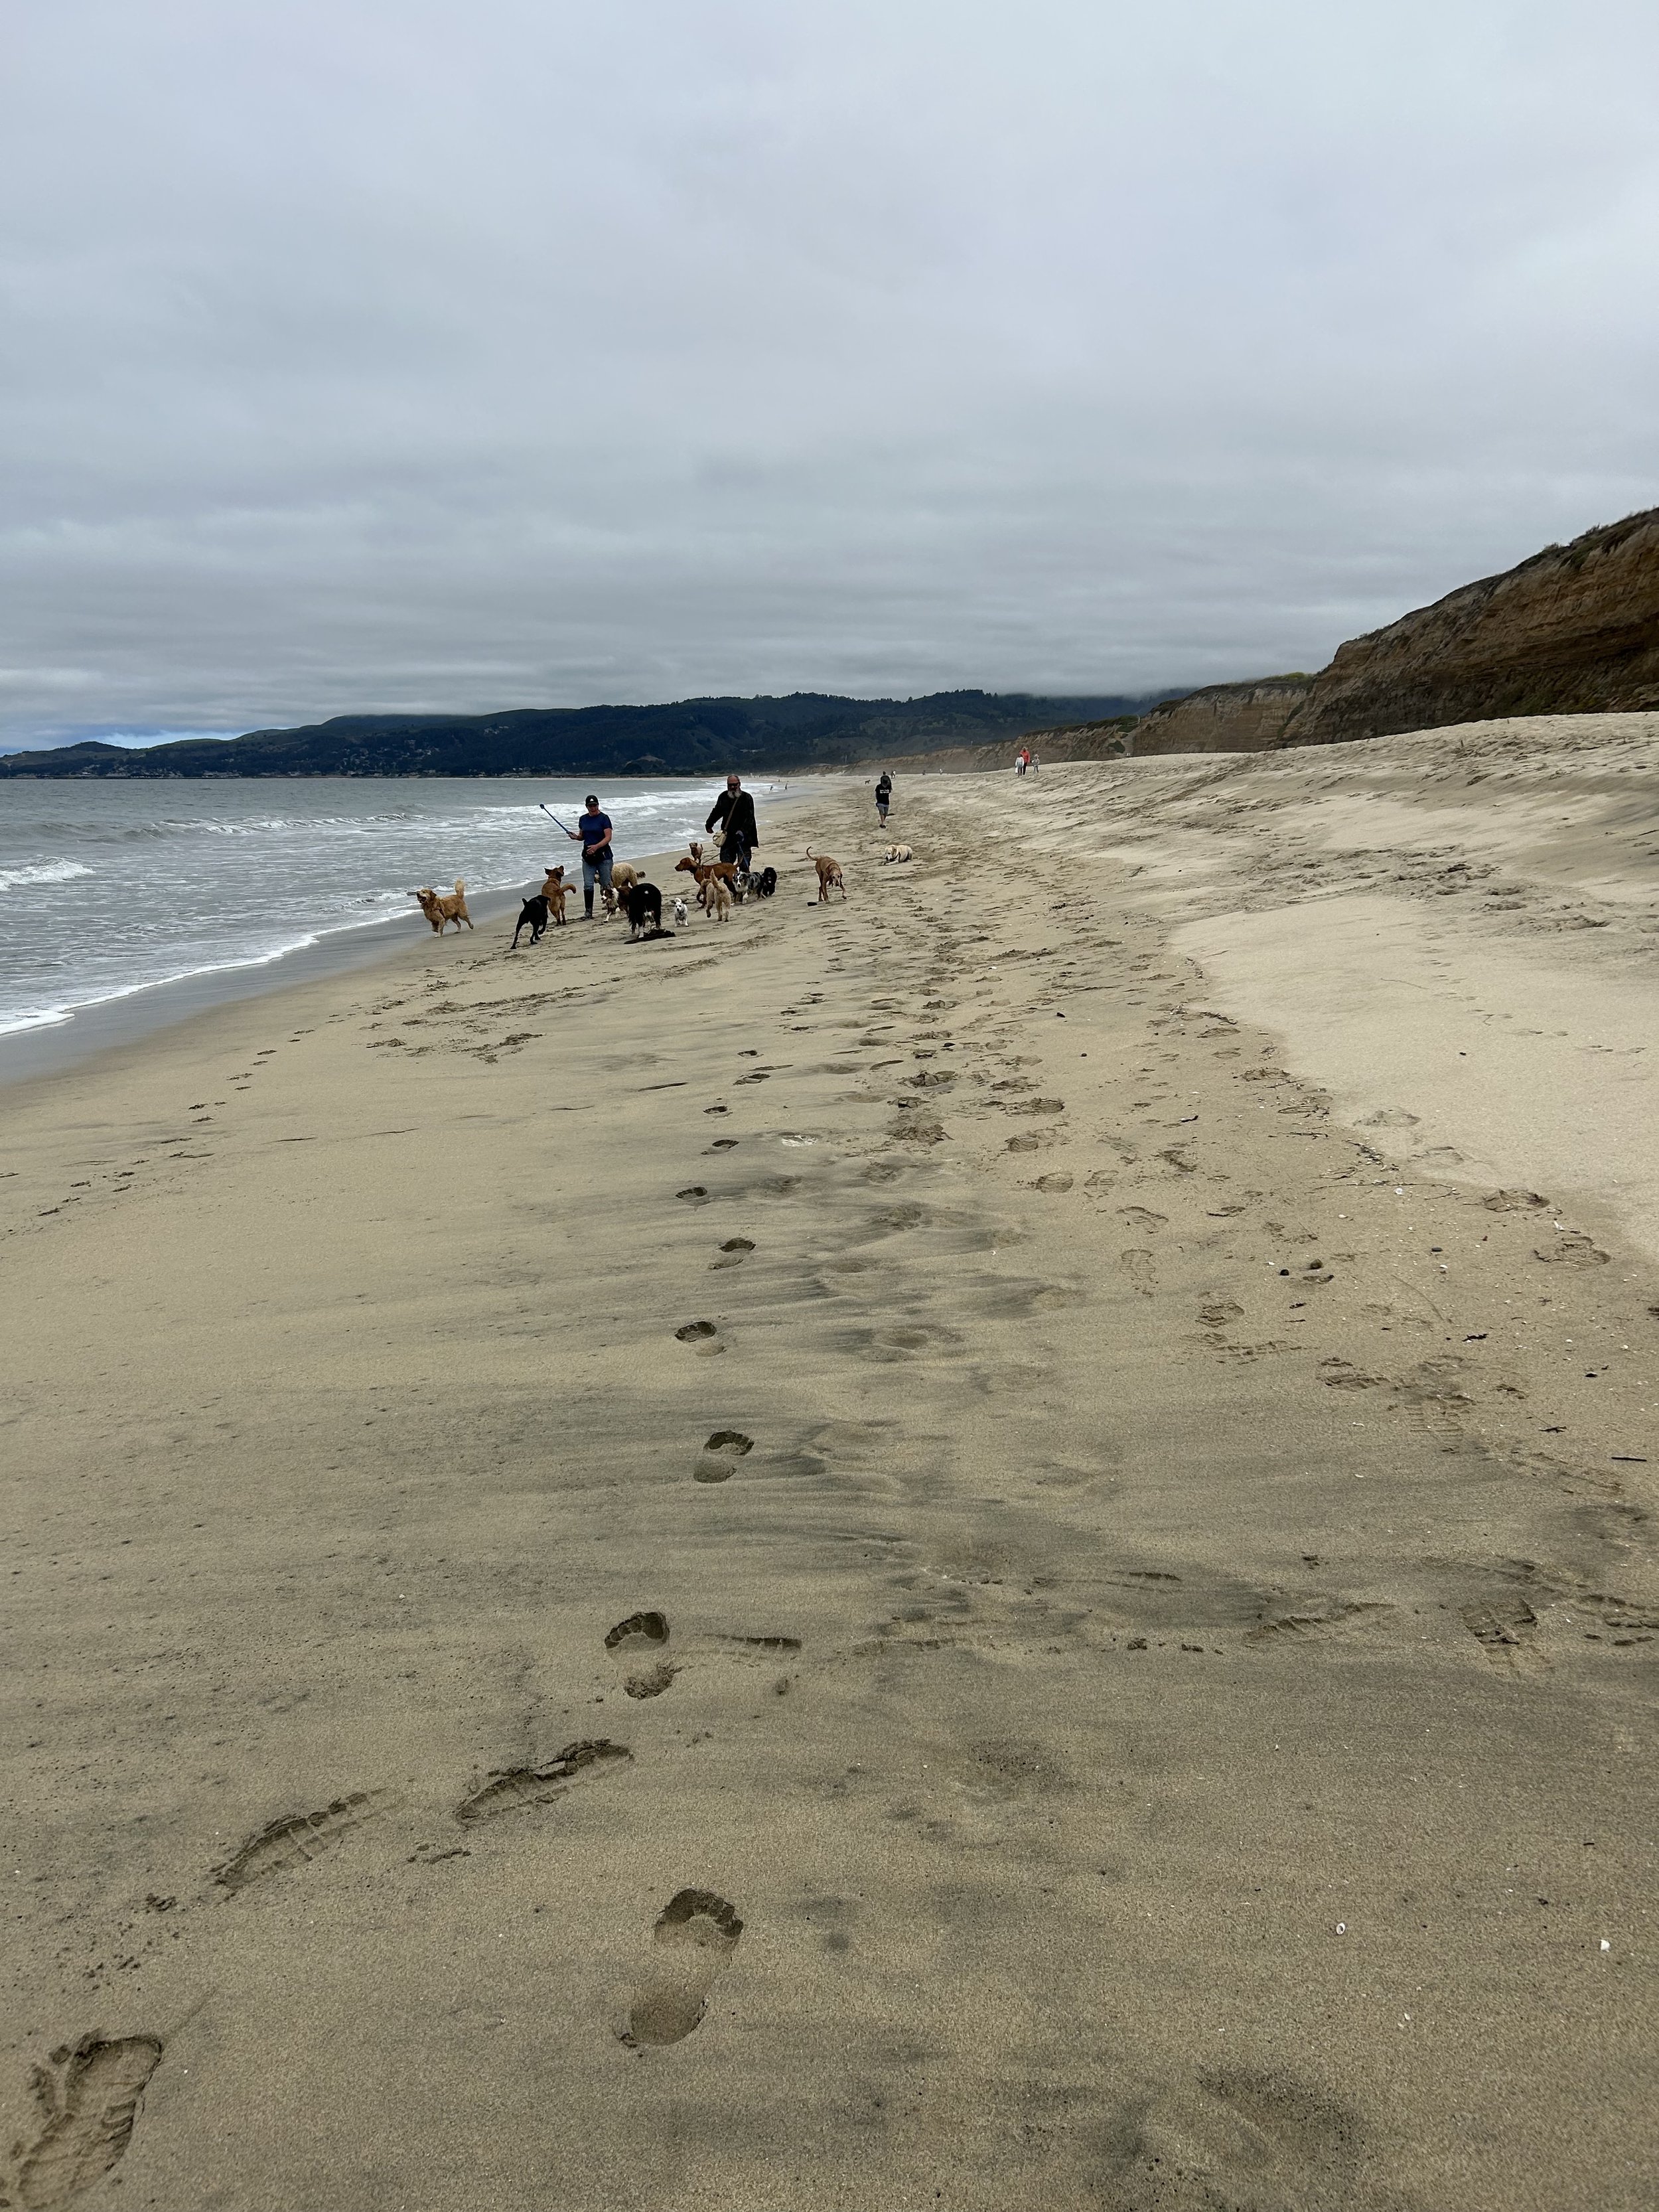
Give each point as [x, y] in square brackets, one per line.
[103, 1025]
[938, 1527]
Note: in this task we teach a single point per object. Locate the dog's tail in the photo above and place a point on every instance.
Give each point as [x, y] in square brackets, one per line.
[459, 887]
[810, 853]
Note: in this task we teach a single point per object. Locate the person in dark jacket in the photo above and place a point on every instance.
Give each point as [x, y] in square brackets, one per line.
[733, 812]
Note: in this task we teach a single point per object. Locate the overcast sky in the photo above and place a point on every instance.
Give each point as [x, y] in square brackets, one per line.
[386, 354]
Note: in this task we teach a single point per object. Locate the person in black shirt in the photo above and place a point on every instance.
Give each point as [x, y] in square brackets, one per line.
[734, 813]
[884, 798]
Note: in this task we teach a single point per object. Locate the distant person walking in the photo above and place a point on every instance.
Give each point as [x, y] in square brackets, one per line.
[884, 798]
[1032, 759]
[733, 812]
[1020, 759]
[592, 834]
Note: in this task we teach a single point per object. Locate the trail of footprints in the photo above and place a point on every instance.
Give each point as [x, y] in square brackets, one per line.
[89, 2097]
[90, 2100]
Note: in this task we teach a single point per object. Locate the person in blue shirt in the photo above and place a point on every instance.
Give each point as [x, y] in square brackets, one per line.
[592, 834]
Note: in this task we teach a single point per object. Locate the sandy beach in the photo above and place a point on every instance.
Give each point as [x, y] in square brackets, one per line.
[990, 1546]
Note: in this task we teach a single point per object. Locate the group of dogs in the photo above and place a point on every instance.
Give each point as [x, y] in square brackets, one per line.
[720, 884]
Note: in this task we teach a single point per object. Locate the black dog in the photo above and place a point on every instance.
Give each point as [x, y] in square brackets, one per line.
[534, 914]
[643, 901]
[765, 883]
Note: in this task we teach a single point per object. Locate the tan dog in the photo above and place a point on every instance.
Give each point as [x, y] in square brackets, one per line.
[553, 890]
[717, 897]
[440, 911]
[830, 875]
[896, 852]
[623, 880]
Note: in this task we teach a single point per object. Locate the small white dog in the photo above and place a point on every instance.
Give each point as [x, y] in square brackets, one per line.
[679, 914]
[896, 852]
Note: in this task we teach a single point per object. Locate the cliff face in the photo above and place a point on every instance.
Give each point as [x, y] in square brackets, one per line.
[1223, 718]
[1573, 630]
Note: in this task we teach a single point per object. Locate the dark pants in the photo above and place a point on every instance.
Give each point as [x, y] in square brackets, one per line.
[736, 847]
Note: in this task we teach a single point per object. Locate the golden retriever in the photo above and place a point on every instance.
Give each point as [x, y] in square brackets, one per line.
[554, 891]
[896, 852]
[440, 911]
[830, 875]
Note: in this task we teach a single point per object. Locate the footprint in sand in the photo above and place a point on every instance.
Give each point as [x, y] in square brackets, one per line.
[298, 1838]
[512, 1789]
[718, 1459]
[640, 1645]
[1315, 1619]
[912, 1341]
[692, 1943]
[1139, 1266]
[1575, 1249]
[89, 2106]
[733, 1253]
[1501, 1627]
[702, 1336]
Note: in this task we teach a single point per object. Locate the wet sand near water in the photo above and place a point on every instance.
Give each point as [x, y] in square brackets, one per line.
[887, 1556]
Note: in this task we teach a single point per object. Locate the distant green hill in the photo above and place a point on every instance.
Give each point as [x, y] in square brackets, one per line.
[692, 736]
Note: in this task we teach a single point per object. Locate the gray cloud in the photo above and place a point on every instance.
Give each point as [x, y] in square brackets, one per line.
[389, 354]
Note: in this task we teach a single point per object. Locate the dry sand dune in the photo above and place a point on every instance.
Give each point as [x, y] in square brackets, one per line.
[988, 1548]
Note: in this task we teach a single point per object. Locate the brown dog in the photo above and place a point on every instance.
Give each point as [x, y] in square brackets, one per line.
[830, 875]
[441, 911]
[717, 896]
[724, 873]
[553, 890]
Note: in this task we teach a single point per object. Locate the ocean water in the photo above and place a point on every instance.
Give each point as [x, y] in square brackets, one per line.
[113, 889]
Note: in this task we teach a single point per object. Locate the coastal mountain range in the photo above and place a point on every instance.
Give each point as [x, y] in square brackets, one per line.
[1573, 629]
[691, 736]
